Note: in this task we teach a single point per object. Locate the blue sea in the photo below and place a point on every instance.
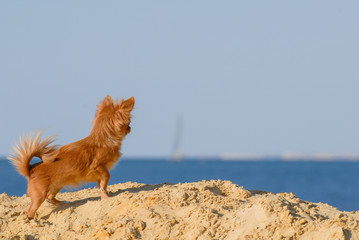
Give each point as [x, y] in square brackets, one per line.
[335, 183]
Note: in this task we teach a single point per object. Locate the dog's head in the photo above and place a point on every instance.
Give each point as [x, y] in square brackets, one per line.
[113, 118]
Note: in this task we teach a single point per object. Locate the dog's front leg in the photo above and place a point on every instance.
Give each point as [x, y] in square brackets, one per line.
[103, 193]
[104, 177]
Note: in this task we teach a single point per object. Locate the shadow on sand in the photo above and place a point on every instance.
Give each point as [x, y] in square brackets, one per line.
[65, 204]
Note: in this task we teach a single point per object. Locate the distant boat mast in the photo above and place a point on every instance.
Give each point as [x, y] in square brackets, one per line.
[177, 154]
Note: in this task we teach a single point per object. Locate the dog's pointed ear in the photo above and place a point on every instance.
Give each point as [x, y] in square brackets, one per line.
[104, 103]
[107, 101]
[128, 104]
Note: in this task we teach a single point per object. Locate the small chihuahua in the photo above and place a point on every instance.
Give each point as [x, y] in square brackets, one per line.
[87, 160]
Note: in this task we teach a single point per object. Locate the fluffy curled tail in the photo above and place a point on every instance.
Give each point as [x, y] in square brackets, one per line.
[29, 147]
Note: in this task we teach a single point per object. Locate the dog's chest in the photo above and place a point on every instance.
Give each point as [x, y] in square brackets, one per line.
[111, 158]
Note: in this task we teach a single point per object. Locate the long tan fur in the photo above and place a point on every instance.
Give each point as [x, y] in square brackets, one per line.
[87, 160]
[30, 146]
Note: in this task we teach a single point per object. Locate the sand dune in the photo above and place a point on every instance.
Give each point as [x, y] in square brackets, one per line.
[200, 210]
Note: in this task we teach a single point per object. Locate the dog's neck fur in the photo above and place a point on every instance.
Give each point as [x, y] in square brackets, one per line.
[103, 139]
[104, 136]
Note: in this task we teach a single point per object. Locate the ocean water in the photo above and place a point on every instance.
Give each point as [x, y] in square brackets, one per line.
[335, 183]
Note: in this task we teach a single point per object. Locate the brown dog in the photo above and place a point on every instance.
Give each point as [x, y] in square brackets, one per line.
[87, 160]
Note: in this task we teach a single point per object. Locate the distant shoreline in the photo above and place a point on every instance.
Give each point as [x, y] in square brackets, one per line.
[244, 158]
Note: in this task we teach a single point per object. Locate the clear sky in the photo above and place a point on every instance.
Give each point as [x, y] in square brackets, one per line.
[261, 77]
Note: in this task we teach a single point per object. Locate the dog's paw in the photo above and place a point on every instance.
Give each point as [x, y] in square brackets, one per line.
[55, 202]
[35, 223]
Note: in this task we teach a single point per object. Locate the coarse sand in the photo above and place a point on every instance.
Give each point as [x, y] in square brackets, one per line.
[200, 210]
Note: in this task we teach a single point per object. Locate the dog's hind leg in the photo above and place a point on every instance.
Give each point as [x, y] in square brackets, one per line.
[51, 196]
[103, 178]
[35, 204]
[37, 198]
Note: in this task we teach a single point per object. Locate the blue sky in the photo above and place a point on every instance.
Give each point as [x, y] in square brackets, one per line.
[261, 77]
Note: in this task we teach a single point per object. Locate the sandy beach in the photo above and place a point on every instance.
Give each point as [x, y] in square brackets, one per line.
[200, 210]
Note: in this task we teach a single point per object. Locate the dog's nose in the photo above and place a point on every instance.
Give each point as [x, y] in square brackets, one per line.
[128, 129]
